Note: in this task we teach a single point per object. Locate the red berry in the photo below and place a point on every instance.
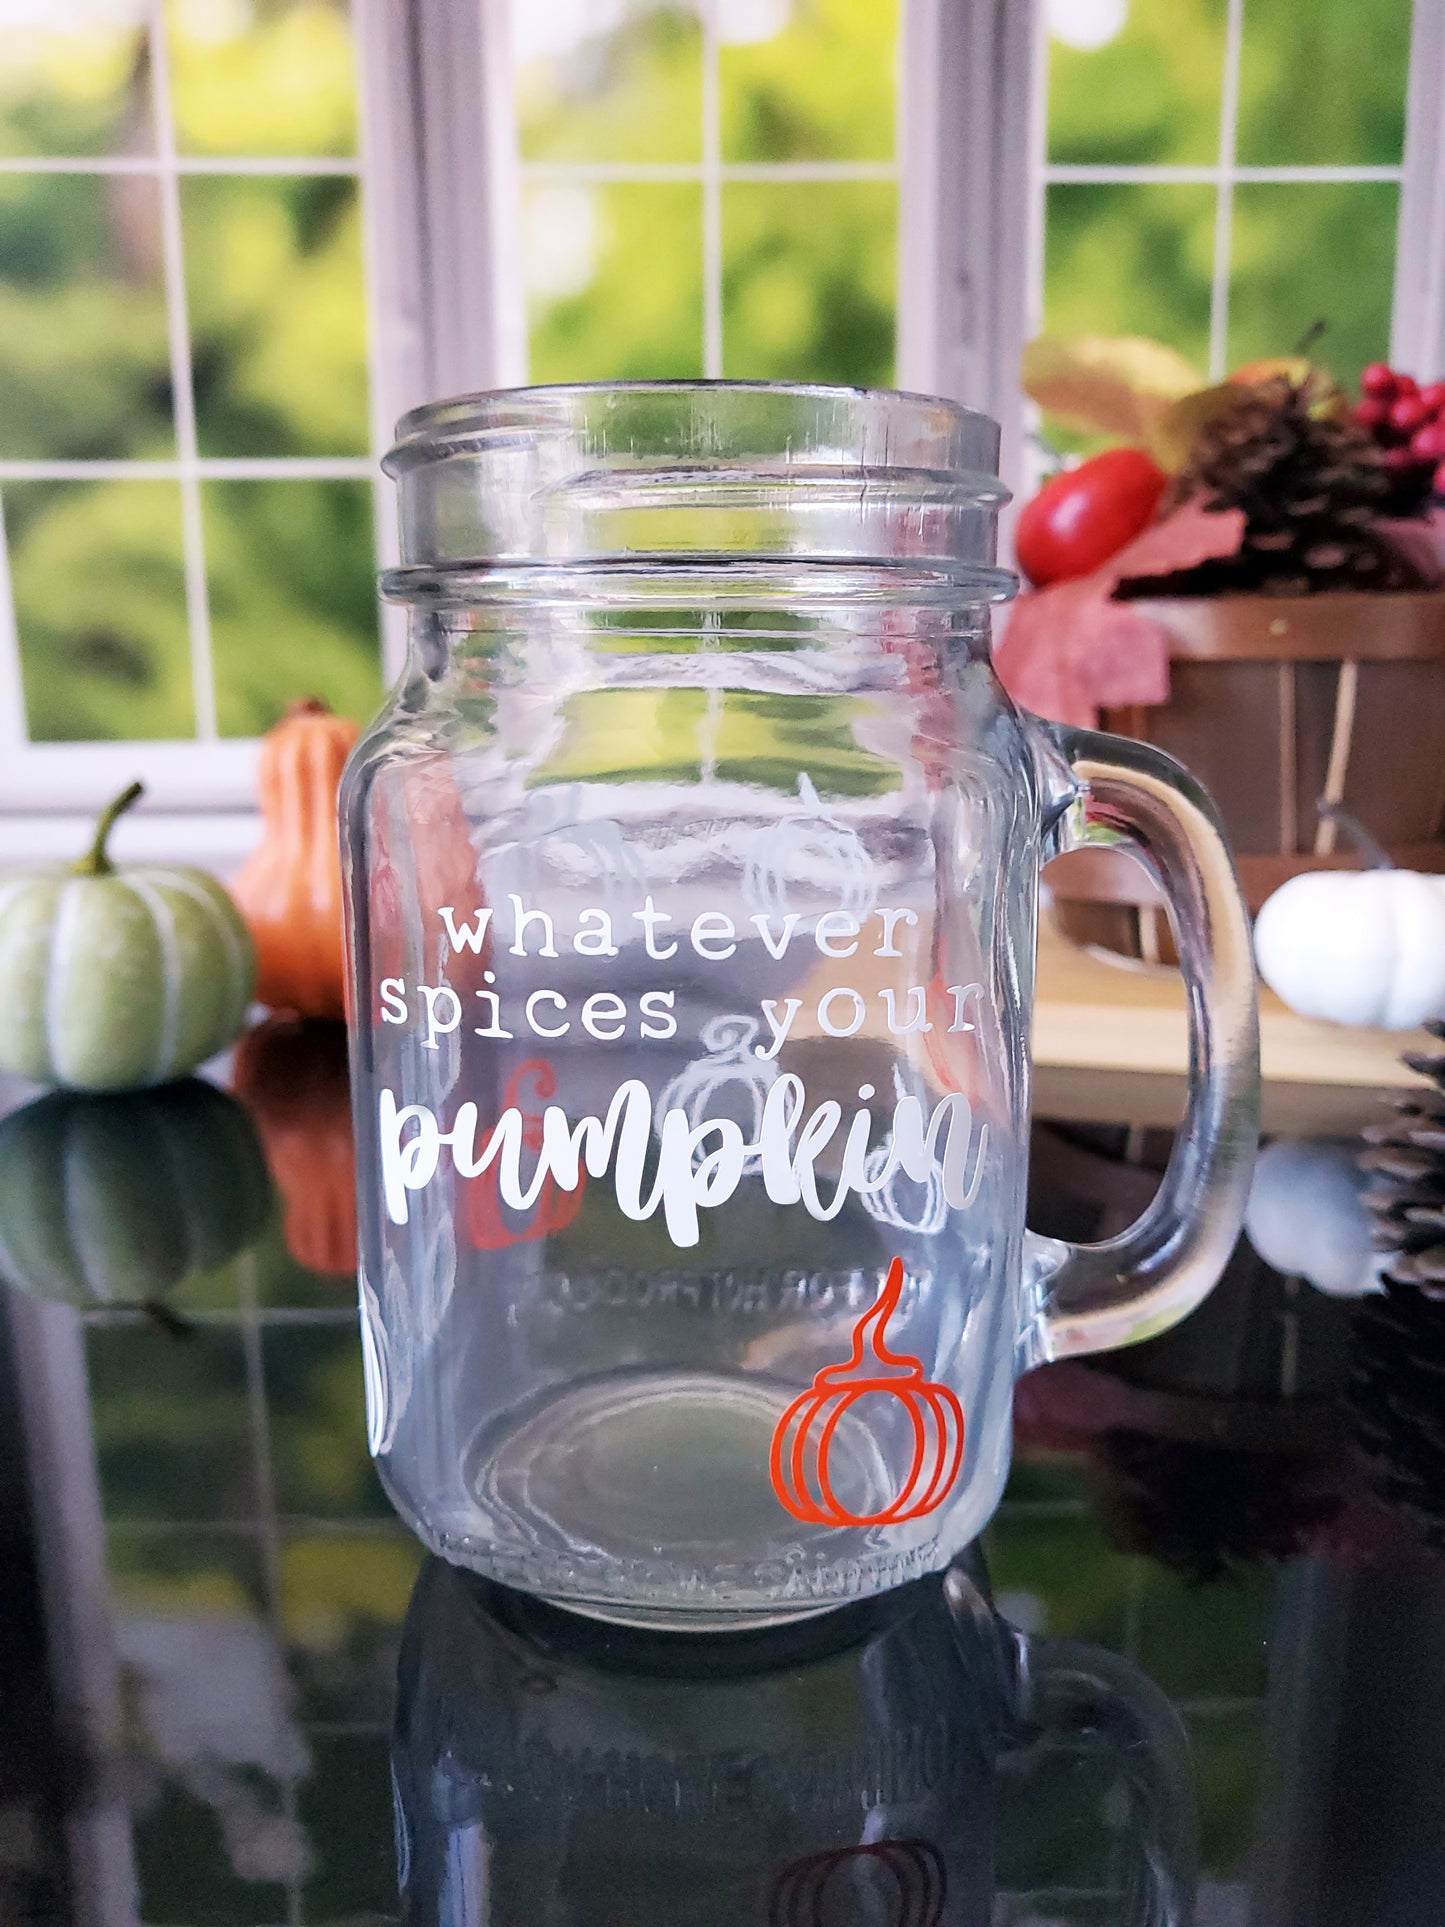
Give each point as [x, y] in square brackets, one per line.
[1406, 385]
[1408, 413]
[1433, 395]
[1372, 414]
[1440, 479]
[1427, 444]
[1398, 459]
[1378, 381]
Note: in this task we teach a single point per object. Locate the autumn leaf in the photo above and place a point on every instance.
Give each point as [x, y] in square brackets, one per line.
[1115, 384]
[1171, 435]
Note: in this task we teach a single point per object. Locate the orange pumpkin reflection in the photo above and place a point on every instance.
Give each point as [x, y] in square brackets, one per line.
[907, 1876]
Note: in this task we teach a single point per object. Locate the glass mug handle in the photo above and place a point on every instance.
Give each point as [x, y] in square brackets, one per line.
[1103, 1701]
[1107, 792]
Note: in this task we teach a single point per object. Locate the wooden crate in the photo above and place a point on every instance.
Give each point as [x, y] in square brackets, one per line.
[1277, 703]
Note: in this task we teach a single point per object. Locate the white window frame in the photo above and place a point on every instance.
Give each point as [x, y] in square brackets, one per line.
[1420, 178]
[47, 784]
[443, 209]
[1417, 339]
[440, 180]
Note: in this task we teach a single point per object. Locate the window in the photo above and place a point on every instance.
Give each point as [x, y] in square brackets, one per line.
[1225, 174]
[185, 440]
[708, 190]
[836, 190]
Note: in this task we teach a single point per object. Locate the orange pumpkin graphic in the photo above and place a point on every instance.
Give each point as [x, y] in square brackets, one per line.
[555, 1208]
[908, 1875]
[805, 1433]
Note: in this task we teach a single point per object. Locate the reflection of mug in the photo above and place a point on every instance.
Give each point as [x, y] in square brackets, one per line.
[692, 886]
[909, 1761]
[901, 1881]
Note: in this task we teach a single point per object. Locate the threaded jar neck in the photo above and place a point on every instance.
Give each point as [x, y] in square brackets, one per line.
[698, 474]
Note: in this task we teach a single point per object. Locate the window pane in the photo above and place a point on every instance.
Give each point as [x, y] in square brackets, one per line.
[315, 1399]
[175, 1575]
[808, 280]
[607, 82]
[1323, 84]
[75, 87]
[808, 79]
[1289, 244]
[614, 280]
[290, 571]
[278, 314]
[1131, 259]
[1229, 1747]
[101, 608]
[172, 1426]
[84, 366]
[1136, 83]
[342, 1620]
[272, 78]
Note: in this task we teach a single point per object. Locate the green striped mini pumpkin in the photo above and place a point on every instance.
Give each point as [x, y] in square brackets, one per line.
[112, 980]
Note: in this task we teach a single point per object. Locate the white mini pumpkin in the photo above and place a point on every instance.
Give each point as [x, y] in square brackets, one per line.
[1306, 1215]
[1356, 946]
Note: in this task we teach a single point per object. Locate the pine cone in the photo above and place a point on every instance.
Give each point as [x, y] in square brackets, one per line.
[1397, 1396]
[1407, 1197]
[1397, 1390]
[1206, 1511]
[1311, 486]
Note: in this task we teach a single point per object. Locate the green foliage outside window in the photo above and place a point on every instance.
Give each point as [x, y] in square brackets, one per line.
[277, 325]
[1319, 85]
[276, 314]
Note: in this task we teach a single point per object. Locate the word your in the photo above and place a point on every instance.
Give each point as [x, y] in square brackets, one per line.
[697, 1166]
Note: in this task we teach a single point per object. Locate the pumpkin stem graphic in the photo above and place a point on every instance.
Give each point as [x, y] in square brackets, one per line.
[799, 1462]
[868, 1332]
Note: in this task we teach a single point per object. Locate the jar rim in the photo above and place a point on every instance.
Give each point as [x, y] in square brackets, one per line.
[733, 469]
[965, 439]
[751, 582]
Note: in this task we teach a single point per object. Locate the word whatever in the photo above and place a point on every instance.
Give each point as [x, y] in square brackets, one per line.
[697, 1165]
[799, 1464]
[712, 933]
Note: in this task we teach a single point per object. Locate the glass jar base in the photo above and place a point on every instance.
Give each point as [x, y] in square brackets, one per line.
[647, 1498]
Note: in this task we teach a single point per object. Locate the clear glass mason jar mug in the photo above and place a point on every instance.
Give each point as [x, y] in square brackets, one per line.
[692, 875]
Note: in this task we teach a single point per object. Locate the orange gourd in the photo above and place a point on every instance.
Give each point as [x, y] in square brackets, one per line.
[804, 1437]
[289, 888]
[291, 1075]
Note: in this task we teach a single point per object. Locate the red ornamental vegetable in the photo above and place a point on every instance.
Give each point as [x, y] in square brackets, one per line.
[804, 1437]
[1082, 517]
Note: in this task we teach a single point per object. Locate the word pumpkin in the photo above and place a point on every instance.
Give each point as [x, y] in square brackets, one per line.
[799, 1462]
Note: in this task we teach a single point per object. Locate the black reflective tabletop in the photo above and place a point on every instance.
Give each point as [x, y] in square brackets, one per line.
[1195, 1670]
